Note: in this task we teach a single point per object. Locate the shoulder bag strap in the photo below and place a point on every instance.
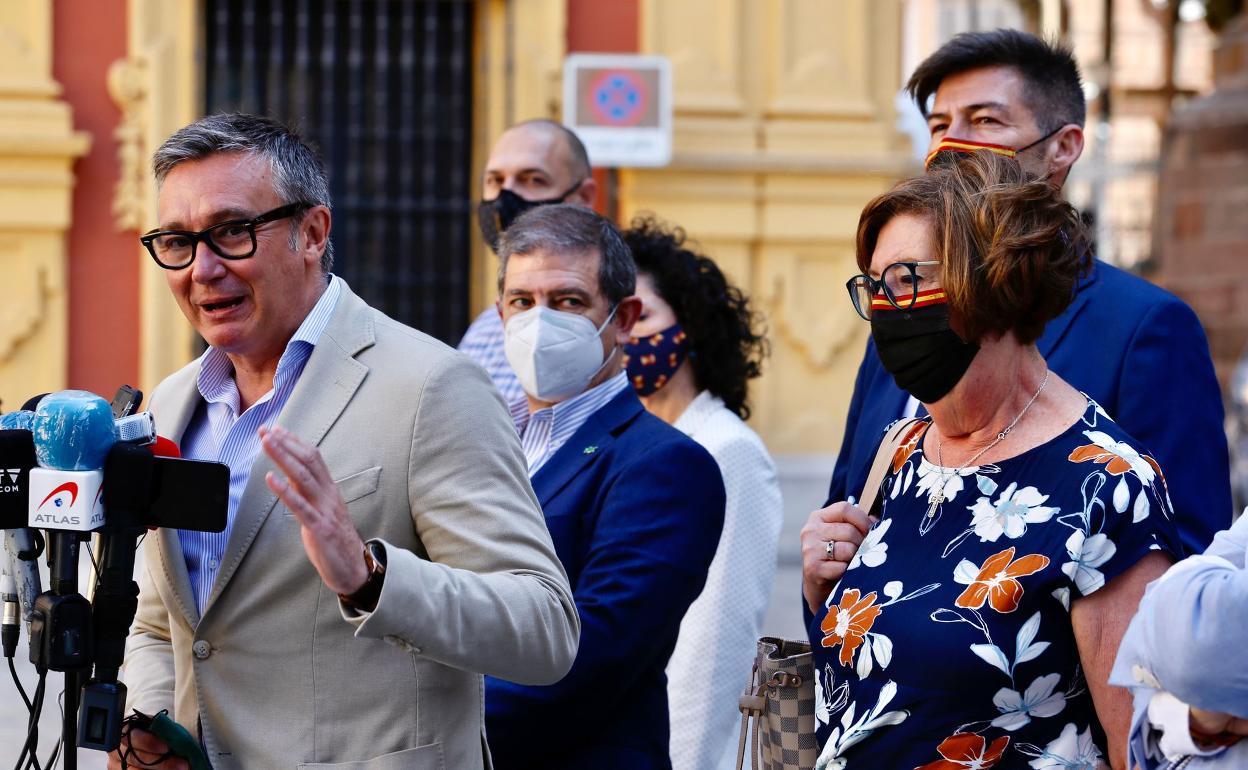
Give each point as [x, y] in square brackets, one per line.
[893, 439]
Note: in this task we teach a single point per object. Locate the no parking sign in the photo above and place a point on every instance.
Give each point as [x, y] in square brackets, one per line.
[621, 107]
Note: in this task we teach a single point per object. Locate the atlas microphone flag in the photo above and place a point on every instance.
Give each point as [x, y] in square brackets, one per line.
[73, 431]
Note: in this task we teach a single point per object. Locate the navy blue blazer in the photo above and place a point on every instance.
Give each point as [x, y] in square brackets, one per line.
[635, 510]
[1137, 350]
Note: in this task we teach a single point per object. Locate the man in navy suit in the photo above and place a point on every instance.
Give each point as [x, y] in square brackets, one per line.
[634, 507]
[1139, 351]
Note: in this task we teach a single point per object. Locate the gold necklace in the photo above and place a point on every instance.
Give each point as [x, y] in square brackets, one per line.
[938, 494]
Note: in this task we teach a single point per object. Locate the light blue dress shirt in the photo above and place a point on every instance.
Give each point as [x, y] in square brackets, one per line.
[483, 343]
[218, 432]
[546, 431]
[1186, 646]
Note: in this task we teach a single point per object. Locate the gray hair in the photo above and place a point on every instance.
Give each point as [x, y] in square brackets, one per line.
[572, 230]
[298, 174]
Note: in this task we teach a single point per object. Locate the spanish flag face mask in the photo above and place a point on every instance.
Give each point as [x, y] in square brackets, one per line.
[951, 145]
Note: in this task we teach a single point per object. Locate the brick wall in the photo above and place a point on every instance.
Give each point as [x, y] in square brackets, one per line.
[1201, 228]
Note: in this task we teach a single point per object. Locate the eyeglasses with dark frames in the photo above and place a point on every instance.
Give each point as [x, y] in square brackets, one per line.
[235, 239]
[899, 285]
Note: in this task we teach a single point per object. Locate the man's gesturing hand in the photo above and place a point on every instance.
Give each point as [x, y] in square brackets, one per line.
[329, 536]
[829, 541]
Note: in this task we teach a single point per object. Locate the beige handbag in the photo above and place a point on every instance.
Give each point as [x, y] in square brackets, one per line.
[780, 698]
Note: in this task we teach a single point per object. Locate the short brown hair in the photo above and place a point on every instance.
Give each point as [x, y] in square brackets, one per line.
[1011, 250]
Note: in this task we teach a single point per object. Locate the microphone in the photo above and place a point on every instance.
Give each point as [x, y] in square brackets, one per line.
[17, 457]
[73, 432]
[32, 403]
[136, 429]
[163, 447]
[19, 420]
[9, 626]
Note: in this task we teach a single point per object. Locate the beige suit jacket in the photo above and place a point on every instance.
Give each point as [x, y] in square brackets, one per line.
[274, 673]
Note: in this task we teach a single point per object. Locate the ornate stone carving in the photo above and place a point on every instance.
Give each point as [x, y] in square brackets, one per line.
[28, 292]
[128, 86]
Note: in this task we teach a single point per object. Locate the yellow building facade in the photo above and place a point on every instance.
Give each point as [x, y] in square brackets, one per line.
[37, 149]
[784, 128]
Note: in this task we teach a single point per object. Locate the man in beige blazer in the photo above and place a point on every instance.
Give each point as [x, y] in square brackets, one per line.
[384, 547]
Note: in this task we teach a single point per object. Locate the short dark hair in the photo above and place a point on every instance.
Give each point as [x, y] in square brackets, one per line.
[562, 228]
[725, 340]
[1053, 89]
[1011, 250]
[578, 156]
[298, 173]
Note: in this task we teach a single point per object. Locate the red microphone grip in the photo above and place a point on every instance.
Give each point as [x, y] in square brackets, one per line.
[163, 447]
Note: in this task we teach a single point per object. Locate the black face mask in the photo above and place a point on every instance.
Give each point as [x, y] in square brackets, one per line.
[917, 347]
[495, 216]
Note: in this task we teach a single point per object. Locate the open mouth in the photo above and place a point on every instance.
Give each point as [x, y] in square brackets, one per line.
[213, 307]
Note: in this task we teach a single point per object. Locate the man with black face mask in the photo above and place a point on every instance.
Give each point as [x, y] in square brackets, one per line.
[534, 163]
[1137, 350]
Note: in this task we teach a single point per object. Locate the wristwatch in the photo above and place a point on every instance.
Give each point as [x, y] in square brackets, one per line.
[365, 598]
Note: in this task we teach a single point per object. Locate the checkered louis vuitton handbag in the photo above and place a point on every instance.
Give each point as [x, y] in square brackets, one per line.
[780, 699]
[781, 703]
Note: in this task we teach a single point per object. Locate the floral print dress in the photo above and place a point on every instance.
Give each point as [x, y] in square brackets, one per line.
[948, 645]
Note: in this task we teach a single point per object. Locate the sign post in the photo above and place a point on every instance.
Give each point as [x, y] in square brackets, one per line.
[620, 105]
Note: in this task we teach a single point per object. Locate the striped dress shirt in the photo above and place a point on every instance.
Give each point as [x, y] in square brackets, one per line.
[545, 431]
[217, 431]
[483, 343]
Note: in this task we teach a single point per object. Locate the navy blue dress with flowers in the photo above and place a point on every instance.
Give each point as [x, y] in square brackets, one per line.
[948, 643]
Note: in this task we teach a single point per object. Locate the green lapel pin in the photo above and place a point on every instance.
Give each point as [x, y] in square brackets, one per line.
[589, 450]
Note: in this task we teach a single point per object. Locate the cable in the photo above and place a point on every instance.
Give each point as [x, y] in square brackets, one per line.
[17, 681]
[50, 762]
[32, 727]
[56, 754]
[129, 757]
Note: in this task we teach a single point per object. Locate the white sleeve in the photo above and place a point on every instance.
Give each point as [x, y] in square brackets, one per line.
[710, 665]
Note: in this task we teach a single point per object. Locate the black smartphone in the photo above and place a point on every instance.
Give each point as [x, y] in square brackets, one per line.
[126, 402]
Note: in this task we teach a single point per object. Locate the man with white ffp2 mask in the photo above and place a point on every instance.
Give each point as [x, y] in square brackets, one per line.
[634, 506]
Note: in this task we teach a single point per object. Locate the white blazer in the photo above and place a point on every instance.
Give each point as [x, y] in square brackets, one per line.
[719, 634]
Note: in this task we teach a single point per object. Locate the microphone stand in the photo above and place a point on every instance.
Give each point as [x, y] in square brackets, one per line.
[60, 635]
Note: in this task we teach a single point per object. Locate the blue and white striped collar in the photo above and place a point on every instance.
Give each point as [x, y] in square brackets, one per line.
[568, 416]
[216, 372]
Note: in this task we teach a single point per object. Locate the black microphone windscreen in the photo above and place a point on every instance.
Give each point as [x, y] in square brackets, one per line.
[32, 403]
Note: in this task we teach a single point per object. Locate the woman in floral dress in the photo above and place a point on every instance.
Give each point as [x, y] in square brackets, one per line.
[972, 620]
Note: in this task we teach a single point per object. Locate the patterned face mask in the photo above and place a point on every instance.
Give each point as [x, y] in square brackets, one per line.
[652, 361]
[951, 145]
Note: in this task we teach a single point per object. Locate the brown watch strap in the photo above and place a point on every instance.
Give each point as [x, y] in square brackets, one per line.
[366, 597]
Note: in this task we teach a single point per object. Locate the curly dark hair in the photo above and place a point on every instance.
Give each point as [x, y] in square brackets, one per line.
[726, 345]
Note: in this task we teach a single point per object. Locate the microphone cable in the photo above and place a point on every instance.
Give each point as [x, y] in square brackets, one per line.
[32, 727]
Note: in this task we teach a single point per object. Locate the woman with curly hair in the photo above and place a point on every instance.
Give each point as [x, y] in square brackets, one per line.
[973, 620]
[695, 350]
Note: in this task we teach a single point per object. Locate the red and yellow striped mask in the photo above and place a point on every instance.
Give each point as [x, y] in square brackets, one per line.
[922, 299]
[967, 146]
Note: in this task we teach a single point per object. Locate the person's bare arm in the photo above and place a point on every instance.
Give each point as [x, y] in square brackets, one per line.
[1099, 622]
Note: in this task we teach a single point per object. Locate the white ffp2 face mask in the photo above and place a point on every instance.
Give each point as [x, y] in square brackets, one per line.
[554, 354]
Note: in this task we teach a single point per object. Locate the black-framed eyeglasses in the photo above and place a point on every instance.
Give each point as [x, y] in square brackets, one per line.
[898, 286]
[235, 239]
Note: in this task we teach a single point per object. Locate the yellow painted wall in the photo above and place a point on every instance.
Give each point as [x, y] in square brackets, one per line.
[37, 149]
[783, 130]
